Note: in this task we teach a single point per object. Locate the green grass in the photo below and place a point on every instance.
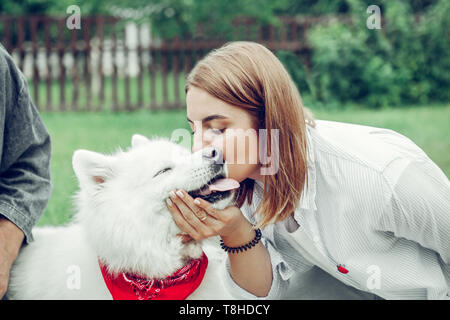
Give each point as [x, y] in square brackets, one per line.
[105, 132]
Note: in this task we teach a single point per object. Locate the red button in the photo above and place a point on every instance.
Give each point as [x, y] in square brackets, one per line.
[342, 269]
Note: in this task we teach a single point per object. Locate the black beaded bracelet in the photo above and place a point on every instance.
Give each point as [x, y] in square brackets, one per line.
[245, 246]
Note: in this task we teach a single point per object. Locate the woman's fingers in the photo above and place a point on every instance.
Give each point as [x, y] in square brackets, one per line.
[223, 218]
[189, 201]
[180, 221]
[184, 209]
[205, 225]
[185, 238]
[199, 218]
[190, 217]
[208, 208]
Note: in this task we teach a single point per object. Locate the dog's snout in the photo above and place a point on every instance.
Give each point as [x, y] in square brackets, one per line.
[213, 155]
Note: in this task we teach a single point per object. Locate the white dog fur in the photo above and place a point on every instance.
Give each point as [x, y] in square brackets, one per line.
[122, 219]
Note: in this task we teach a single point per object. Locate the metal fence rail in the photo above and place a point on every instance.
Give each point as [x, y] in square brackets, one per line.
[110, 64]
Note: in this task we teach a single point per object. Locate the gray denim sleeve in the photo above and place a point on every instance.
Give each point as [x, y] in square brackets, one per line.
[25, 151]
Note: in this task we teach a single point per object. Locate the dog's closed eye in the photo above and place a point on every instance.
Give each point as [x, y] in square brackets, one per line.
[162, 171]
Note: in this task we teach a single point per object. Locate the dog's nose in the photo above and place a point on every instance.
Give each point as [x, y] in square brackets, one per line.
[213, 155]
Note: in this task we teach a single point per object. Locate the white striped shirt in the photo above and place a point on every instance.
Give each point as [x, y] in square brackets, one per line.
[376, 205]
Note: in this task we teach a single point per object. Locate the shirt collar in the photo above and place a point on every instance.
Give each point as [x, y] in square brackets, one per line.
[307, 200]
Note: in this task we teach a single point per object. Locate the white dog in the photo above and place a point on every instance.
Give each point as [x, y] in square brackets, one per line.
[123, 225]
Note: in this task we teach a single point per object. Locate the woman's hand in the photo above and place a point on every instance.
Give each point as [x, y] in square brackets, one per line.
[201, 220]
[251, 269]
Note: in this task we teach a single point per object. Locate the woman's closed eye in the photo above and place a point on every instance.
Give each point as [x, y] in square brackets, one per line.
[214, 131]
[217, 131]
[162, 171]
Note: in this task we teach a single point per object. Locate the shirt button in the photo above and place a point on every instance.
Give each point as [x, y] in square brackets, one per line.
[316, 239]
[342, 269]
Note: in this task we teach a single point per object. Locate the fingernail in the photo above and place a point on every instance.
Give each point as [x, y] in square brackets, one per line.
[180, 194]
[196, 201]
[169, 202]
[172, 194]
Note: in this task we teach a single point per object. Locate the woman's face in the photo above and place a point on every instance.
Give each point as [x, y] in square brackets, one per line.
[215, 123]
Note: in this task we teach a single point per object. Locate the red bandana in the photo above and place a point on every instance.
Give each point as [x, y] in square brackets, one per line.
[178, 286]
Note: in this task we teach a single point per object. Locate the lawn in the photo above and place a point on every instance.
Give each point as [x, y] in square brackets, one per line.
[104, 132]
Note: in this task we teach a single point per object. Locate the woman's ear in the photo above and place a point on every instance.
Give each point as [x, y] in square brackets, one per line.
[138, 140]
[91, 168]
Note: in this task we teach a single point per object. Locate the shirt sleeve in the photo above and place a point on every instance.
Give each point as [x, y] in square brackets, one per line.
[25, 150]
[281, 272]
[420, 205]
[280, 282]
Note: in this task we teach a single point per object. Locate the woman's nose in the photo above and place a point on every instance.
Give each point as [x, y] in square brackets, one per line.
[213, 155]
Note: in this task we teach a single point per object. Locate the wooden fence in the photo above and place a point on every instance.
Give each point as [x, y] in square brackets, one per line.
[109, 64]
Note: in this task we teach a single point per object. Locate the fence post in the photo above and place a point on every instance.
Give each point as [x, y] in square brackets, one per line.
[87, 60]
[140, 102]
[48, 54]
[75, 77]
[62, 68]
[99, 22]
[33, 29]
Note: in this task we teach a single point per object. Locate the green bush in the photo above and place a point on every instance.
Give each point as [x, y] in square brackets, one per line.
[404, 62]
[296, 69]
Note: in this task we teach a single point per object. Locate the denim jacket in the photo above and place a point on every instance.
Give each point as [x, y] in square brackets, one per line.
[25, 151]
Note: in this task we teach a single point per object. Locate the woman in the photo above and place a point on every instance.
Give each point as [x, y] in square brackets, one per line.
[364, 205]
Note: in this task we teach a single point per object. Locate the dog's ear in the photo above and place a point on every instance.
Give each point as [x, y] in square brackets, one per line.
[138, 139]
[91, 168]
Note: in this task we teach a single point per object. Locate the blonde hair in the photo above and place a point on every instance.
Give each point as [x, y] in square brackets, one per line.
[248, 75]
